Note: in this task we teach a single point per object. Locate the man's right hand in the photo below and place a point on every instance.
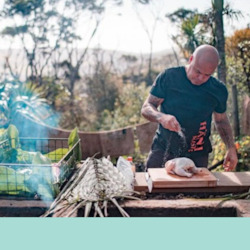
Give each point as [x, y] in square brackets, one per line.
[169, 122]
[150, 112]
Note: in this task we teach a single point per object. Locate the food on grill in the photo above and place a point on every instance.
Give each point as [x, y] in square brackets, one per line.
[181, 166]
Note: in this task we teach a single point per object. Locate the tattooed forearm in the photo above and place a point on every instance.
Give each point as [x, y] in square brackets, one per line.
[149, 108]
[224, 129]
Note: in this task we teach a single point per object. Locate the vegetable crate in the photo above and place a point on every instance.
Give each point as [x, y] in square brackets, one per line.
[38, 168]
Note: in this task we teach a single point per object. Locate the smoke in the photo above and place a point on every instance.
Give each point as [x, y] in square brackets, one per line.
[26, 171]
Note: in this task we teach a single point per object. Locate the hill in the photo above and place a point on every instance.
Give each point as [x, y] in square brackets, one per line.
[121, 61]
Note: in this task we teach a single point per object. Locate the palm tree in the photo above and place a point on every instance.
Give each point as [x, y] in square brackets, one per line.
[193, 30]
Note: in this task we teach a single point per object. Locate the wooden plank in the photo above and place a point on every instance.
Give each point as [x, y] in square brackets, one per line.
[140, 182]
[227, 179]
[228, 182]
[161, 179]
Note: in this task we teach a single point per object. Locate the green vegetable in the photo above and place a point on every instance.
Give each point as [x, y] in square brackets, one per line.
[24, 156]
[11, 181]
[8, 150]
[57, 154]
[72, 140]
[13, 136]
[41, 178]
[37, 178]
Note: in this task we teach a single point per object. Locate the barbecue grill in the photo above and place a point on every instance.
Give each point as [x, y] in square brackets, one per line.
[16, 179]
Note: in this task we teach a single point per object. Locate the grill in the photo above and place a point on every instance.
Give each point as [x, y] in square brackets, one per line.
[35, 181]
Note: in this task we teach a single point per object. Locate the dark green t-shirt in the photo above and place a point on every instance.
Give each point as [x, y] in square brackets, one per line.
[192, 105]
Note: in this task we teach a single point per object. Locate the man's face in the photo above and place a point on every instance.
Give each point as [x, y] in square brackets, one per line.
[198, 72]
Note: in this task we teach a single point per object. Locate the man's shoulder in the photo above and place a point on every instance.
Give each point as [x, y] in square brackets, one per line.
[174, 70]
[218, 88]
[171, 73]
[217, 83]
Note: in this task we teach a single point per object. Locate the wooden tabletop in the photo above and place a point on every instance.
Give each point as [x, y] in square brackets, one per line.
[227, 182]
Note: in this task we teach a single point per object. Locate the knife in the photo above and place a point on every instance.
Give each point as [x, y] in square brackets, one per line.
[149, 182]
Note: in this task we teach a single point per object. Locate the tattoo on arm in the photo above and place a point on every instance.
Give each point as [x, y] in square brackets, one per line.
[224, 129]
[149, 108]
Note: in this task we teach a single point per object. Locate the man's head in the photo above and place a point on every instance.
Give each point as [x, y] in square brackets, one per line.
[202, 64]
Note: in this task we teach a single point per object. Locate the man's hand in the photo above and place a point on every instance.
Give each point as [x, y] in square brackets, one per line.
[169, 122]
[150, 112]
[226, 134]
[230, 160]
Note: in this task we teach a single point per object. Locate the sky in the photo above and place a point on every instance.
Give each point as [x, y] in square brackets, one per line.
[125, 31]
[122, 27]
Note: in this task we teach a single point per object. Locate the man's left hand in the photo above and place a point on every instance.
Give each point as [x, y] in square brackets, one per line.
[230, 160]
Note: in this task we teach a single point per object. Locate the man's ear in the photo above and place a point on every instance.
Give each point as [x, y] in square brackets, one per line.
[190, 59]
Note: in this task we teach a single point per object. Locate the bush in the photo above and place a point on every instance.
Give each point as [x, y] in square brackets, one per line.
[243, 149]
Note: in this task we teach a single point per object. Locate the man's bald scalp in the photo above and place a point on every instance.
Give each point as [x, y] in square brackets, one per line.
[207, 54]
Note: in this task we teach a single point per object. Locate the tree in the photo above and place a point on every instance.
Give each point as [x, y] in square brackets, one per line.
[127, 109]
[103, 85]
[218, 7]
[19, 97]
[71, 71]
[44, 29]
[197, 28]
[51, 41]
[34, 26]
[238, 60]
[238, 47]
[155, 11]
[192, 31]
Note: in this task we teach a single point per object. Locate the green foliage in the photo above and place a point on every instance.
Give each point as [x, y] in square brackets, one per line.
[243, 145]
[194, 29]
[37, 177]
[41, 179]
[57, 154]
[17, 96]
[48, 29]
[11, 182]
[39, 22]
[9, 144]
[72, 140]
[180, 15]
[219, 150]
[13, 136]
[127, 109]
[138, 158]
[22, 7]
[13, 31]
[243, 149]
[237, 49]
[235, 74]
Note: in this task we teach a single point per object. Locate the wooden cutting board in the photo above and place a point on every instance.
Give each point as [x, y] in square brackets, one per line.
[161, 179]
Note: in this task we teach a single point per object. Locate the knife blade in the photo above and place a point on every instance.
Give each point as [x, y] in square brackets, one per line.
[149, 182]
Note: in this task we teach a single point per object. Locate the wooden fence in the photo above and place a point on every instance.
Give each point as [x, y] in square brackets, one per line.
[114, 143]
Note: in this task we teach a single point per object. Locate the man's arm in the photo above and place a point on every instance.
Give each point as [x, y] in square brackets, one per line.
[226, 134]
[150, 112]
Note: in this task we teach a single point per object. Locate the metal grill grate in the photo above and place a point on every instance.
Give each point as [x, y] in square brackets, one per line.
[27, 180]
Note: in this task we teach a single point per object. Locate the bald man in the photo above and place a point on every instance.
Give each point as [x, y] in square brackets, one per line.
[188, 98]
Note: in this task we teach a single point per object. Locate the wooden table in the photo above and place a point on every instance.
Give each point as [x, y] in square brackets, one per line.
[227, 182]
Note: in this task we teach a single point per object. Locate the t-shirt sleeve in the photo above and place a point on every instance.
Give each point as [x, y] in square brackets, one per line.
[159, 86]
[222, 101]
